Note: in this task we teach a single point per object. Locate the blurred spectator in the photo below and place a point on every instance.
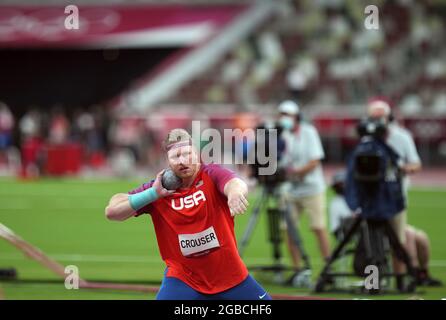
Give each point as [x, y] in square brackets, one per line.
[126, 133]
[436, 68]
[59, 128]
[352, 67]
[122, 162]
[88, 125]
[32, 144]
[271, 48]
[411, 105]
[6, 127]
[153, 154]
[303, 70]
[337, 55]
[338, 210]
[439, 105]
[85, 124]
[90, 131]
[30, 125]
[233, 69]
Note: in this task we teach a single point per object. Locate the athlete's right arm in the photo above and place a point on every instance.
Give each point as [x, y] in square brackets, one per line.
[119, 208]
[123, 206]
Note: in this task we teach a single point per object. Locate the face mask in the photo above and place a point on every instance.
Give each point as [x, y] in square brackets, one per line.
[286, 122]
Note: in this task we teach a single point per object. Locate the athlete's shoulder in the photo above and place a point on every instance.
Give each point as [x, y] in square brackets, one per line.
[218, 174]
[215, 168]
[141, 188]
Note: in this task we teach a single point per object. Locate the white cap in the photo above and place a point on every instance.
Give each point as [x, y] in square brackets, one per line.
[289, 107]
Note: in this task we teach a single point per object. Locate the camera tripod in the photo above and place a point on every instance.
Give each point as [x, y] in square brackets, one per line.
[376, 238]
[275, 215]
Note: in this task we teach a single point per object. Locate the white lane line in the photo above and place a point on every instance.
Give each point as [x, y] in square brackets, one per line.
[437, 263]
[138, 259]
[106, 258]
[87, 258]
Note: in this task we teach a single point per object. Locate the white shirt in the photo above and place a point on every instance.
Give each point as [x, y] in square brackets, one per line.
[401, 141]
[302, 147]
[337, 211]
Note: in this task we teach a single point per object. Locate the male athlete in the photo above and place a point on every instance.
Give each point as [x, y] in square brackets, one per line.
[194, 226]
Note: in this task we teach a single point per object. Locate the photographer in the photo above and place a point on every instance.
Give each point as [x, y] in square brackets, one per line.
[417, 241]
[305, 185]
[374, 186]
[400, 140]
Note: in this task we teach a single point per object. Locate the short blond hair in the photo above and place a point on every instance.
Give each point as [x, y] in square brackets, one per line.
[379, 107]
[175, 136]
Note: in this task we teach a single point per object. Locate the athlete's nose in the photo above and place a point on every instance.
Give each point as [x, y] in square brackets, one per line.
[182, 160]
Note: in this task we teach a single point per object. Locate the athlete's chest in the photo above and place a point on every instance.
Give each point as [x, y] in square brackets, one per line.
[195, 203]
[192, 200]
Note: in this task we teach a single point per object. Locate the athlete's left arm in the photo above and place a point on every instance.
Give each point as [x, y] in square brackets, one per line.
[236, 191]
[234, 188]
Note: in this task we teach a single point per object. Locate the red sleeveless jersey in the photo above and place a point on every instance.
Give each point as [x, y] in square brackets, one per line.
[195, 233]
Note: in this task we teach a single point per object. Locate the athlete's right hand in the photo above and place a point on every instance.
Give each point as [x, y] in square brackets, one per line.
[160, 190]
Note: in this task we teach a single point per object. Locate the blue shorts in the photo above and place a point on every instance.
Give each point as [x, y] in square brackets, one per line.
[175, 289]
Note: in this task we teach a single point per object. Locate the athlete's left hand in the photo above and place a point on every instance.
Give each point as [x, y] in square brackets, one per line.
[237, 203]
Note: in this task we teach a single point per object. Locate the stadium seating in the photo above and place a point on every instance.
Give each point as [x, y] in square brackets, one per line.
[349, 63]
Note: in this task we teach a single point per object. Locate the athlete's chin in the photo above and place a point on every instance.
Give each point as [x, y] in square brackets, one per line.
[185, 173]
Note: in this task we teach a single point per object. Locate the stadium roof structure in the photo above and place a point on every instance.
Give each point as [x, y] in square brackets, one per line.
[193, 61]
[204, 31]
[125, 2]
[111, 26]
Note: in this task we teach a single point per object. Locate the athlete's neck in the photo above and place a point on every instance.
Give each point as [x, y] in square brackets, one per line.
[187, 182]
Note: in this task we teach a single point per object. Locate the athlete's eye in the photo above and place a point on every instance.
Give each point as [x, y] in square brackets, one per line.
[174, 157]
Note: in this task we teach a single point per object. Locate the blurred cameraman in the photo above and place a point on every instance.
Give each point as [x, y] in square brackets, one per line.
[399, 138]
[401, 141]
[304, 188]
[417, 241]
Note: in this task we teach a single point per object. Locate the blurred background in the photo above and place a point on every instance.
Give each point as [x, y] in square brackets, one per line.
[91, 106]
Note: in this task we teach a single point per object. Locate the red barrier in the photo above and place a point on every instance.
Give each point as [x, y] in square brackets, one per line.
[63, 159]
